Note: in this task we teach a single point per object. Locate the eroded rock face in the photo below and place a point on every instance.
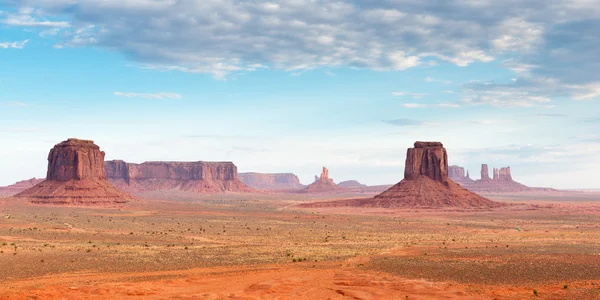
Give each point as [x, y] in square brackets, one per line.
[504, 174]
[322, 184]
[75, 159]
[275, 181]
[75, 176]
[201, 176]
[427, 159]
[456, 172]
[485, 173]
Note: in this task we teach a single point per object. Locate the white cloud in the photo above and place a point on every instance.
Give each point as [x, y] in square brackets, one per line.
[431, 79]
[160, 95]
[26, 20]
[14, 45]
[436, 105]
[15, 104]
[413, 105]
[413, 95]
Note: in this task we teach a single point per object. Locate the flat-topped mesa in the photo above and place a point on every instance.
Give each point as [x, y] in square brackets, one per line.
[75, 159]
[427, 159]
[272, 181]
[485, 173]
[199, 176]
[75, 176]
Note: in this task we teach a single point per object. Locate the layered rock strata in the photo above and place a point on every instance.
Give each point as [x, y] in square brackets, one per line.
[275, 181]
[201, 176]
[75, 176]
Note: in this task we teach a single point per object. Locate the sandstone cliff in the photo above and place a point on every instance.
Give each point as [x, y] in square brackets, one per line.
[457, 174]
[75, 176]
[485, 173]
[201, 177]
[425, 185]
[276, 181]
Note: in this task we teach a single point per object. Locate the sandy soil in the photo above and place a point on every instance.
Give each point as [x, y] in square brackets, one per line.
[182, 246]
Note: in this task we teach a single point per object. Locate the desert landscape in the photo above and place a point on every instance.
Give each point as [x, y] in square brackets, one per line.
[175, 242]
[299, 150]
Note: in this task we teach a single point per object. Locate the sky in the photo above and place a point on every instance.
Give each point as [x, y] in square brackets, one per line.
[291, 86]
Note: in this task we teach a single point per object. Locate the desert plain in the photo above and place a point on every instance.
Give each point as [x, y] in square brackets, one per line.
[182, 245]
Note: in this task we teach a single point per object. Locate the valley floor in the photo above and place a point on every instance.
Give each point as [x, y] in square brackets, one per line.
[182, 246]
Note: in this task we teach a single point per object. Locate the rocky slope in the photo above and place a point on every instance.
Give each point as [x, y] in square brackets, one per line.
[275, 181]
[19, 186]
[425, 185]
[75, 176]
[201, 177]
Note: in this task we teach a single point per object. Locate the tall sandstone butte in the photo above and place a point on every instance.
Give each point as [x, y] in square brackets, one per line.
[456, 172]
[485, 173]
[322, 184]
[425, 185]
[75, 176]
[200, 176]
[426, 182]
[274, 181]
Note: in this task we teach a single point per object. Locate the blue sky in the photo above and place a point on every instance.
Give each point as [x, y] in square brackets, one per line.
[292, 86]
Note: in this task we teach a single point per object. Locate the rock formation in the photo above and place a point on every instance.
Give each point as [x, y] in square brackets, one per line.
[75, 176]
[456, 172]
[201, 177]
[485, 173]
[19, 186]
[501, 182]
[425, 185]
[351, 184]
[275, 181]
[322, 184]
[504, 174]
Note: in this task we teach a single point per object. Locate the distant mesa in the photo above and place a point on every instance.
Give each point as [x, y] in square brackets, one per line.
[275, 181]
[200, 176]
[351, 184]
[19, 186]
[500, 182]
[322, 184]
[457, 174]
[425, 185]
[75, 176]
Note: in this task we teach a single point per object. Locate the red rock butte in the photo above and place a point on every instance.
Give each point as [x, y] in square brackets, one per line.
[75, 176]
[425, 185]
